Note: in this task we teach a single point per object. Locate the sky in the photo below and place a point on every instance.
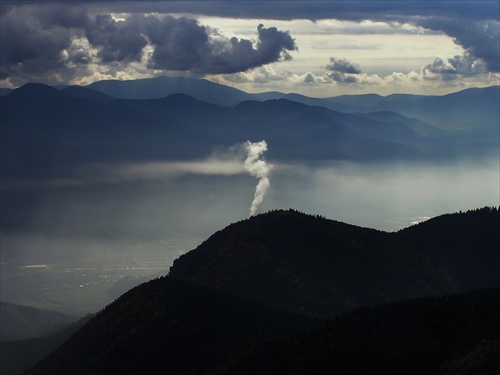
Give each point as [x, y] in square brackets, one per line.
[315, 48]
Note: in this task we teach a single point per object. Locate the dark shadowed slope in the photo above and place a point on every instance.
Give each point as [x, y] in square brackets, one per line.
[165, 326]
[301, 263]
[319, 267]
[465, 244]
[457, 334]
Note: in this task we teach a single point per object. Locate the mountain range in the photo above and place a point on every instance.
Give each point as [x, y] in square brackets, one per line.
[45, 129]
[460, 110]
[281, 292]
[253, 298]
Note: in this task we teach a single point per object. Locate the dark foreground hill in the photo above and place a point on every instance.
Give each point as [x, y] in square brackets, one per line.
[457, 334]
[318, 267]
[166, 326]
[301, 263]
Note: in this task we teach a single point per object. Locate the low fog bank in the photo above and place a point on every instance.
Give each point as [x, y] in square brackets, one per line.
[387, 196]
[66, 243]
[127, 208]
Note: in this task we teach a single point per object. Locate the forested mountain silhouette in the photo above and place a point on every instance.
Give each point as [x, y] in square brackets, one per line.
[261, 280]
[166, 325]
[454, 334]
[320, 267]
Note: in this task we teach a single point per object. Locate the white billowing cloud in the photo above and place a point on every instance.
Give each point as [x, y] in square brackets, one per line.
[262, 75]
[258, 167]
[441, 76]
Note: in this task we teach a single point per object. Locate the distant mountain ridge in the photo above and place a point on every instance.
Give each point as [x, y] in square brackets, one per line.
[456, 111]
[468, 108]
[160, 87]
[46, 128]
[437, 110]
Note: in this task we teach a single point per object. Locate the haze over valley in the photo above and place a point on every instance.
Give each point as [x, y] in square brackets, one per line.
[128, 185]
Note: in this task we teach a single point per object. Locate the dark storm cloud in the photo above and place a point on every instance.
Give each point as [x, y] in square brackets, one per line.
[473, 25]
[233, 55]
[342, 66]
[37, 38]
[479, 38]
[39, 42]
[179, 43]
[342, 70]
[30, 47]
[183, 44]
[450, 68]
[118, 40]
[315, 10]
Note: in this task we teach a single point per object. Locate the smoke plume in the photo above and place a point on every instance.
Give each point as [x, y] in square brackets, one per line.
[257, 167]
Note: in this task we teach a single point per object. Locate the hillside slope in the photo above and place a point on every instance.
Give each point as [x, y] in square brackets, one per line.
[319, 267]
[165, 326]
[456, 334]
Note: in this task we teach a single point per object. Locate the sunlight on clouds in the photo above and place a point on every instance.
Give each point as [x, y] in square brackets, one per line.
[430, 79]
[396, 52]
[392, 57]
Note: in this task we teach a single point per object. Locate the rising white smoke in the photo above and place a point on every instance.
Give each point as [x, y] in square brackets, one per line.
[257, 167]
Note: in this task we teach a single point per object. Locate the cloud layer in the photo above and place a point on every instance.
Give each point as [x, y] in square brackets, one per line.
[48, 44]
[78, 42]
